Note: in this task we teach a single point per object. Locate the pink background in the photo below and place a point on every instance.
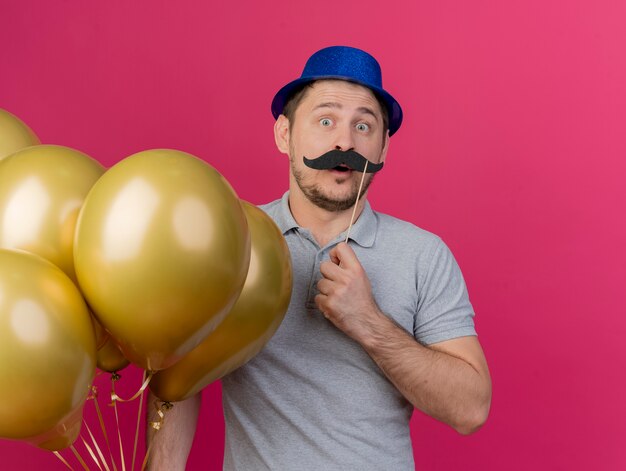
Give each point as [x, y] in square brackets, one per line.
[513, 150]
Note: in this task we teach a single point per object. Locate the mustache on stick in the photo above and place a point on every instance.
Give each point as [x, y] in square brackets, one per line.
[335, 158]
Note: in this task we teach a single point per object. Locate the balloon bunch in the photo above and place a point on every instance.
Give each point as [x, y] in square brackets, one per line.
[154, 262]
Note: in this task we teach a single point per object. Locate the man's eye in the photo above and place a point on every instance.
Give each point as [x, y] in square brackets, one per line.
[362, 127]
[326, 122]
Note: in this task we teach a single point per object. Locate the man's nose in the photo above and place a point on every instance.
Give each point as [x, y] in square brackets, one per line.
[344, 138]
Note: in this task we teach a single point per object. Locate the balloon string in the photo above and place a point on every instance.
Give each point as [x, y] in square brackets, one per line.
[58, 455]
[93, 396]
[161, 411]
[97, 447]
[165, 406]
[138, 421]
[115, 397]
[114, 378]
[102, 427]
[358, 195]
[79, 458]
[145, 458]
[91, 453]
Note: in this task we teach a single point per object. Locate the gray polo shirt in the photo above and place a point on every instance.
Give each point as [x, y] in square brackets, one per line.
[312, 399]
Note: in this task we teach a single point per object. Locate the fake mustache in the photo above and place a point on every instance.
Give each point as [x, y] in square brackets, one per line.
[335, 158]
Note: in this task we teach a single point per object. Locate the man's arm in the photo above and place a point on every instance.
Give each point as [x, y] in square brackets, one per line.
[447, 380]
[171, 444]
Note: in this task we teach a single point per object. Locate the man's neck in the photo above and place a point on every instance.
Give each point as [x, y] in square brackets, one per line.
[324, 225]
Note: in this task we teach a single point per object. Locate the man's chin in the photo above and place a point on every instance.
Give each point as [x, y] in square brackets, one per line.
[331, 204]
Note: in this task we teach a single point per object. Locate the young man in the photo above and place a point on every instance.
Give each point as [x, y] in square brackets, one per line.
[376, 326]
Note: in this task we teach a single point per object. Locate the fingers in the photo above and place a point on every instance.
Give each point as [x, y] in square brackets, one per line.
[324, 286]
[339, 274]
[330, 270]
[326, 305]
[320, 302]
[342, 254]
[333, 256]
[342, 257]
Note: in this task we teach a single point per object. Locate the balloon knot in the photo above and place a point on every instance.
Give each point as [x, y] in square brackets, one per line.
[93, 393]
[160, 410]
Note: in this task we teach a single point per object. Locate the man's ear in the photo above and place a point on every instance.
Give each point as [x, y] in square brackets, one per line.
[281, 134]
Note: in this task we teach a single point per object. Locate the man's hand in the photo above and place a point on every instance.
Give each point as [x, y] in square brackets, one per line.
[448, 380]
[345, 296]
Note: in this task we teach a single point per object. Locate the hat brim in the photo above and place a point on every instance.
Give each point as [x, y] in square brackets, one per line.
[394, 110]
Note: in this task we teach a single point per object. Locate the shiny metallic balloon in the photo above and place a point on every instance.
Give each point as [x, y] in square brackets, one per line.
[47, 352]
[161, 253]
[63, 434]
[102, 336]
[110, 358]
[248, 326]
[42, 189]
[14, 134]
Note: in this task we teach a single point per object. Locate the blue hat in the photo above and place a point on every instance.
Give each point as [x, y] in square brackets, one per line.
[343, 63]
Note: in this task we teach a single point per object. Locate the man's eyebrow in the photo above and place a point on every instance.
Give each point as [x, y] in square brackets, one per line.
[366, 110]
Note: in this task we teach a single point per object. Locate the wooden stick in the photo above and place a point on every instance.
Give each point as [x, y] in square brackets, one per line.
[358, 195]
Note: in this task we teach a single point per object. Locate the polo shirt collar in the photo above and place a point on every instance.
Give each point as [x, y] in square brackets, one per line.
[363, 231]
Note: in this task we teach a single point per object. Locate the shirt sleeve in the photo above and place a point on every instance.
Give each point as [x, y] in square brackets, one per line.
[444, 311]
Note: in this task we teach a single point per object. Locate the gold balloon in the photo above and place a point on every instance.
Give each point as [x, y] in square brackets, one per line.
[102, 336]
[62, 434]
[110, 358]
[14, 134]
[47, 352]
[248, 326]
[161, 253]
[42, 189]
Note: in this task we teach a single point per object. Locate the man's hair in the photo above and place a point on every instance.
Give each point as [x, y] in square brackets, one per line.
[289, 110]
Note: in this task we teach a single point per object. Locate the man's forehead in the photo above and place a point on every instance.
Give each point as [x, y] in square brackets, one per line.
[340, 92]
